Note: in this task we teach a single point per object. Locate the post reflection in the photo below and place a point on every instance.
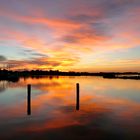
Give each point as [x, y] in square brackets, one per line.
[77, 97]
[28, 99]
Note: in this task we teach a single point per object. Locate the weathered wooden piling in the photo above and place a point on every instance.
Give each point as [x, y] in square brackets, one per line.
[77, 96]
[28, 99]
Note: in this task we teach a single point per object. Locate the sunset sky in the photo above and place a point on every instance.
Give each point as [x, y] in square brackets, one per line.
[70, 35]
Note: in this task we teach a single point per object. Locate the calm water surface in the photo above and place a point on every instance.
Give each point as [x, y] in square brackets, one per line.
[109, 109]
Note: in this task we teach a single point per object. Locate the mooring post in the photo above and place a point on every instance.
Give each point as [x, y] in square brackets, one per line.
[28, 99]
[77, 96]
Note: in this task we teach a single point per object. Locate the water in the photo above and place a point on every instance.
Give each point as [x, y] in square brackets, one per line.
[109, 109]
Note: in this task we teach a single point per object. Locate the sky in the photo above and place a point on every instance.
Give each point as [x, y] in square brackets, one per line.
[70, 35]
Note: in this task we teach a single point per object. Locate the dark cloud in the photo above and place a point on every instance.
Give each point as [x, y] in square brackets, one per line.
[94, 31]
[2, 58]
[33, 53]
[99, 10]
[111, 7]
[39, 54]
[27, 51]
[46, 62]
[83, 18]
[93, 27]
[98, 21]
[35, 61]
[99, 28]
[94, 19]
[70, 38]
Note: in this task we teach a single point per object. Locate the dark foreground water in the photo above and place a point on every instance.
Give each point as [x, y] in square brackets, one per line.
[109, 109]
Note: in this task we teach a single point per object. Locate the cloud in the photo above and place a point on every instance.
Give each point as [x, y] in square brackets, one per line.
[84, 18]
[2, 58]
[33, 53]
[85, 39]
[43, 63]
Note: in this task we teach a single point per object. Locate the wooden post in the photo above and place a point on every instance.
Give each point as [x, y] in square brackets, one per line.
[77, 96]
[28, 99]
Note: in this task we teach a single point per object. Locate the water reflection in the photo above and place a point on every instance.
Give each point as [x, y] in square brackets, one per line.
[3, 86]
[109, 109]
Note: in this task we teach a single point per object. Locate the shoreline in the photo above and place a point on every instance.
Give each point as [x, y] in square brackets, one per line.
[14, 76]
